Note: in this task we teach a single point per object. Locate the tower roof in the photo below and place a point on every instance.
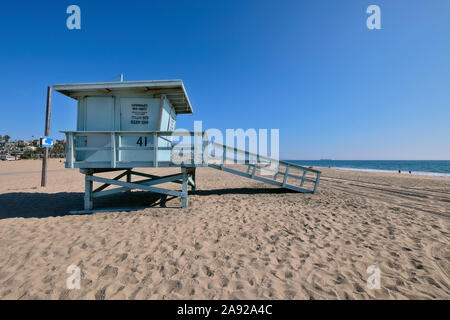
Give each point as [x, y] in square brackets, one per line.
[173, 90]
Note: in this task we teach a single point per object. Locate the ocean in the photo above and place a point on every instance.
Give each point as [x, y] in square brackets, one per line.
[424, 167]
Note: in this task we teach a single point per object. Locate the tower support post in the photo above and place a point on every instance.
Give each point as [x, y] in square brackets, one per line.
[184, 190]
[88, 203]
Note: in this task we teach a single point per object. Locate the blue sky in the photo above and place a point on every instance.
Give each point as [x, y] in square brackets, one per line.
[310, 68]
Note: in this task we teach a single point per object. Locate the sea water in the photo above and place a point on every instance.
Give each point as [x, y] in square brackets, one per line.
[423, 167]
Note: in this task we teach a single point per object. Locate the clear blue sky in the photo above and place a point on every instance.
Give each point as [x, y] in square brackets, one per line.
[310, 68]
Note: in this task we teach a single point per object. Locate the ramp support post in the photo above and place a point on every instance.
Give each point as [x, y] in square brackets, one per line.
[316, 184]
[286, 173]
[224, 155]
[303, 179]
[254, 171]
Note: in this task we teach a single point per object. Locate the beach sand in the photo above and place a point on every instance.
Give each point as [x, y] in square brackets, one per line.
[239, 239]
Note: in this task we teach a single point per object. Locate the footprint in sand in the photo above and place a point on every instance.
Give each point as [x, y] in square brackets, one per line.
[121, 257]
[441, 259]
[208, 271]
[101, 294]
[108, 273]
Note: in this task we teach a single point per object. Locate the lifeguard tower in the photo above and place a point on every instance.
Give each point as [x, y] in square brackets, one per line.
[126, 125]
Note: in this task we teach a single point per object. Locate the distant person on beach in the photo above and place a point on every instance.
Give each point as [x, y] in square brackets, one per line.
[409, 171]
[399, 171]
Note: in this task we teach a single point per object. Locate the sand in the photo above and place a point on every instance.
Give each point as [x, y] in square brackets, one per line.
[239, 239]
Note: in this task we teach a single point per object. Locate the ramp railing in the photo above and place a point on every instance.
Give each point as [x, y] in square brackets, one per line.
[262, 168]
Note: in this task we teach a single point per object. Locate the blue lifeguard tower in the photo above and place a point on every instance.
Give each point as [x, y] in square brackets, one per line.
[126, 125]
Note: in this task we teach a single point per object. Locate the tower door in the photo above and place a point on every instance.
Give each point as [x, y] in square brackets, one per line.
[99, 116]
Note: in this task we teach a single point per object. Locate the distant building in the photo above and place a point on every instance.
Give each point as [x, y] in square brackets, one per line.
[30, 148]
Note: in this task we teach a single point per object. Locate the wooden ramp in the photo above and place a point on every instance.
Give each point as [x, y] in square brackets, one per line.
[261, 168]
